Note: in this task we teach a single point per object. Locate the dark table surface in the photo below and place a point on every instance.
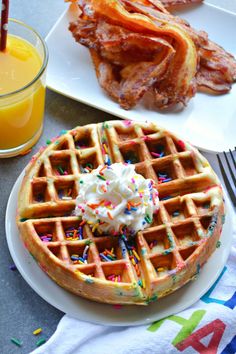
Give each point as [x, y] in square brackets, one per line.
[21, 309]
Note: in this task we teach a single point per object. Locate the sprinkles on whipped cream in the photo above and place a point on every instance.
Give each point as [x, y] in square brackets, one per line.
[113, 198]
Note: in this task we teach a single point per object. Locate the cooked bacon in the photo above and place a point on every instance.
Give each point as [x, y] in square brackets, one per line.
[137, 46]
[170, 3]
[136, 54]
[106, 75]
[127, 64]
[215, 57]
[135, 80]
[84, 32]
[123, 47]
[116, 44]
[211, 55]
[212, 81]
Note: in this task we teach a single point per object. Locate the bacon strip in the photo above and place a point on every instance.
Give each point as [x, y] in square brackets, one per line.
[221, 64]
[179, 61]
[143, 60]
[138, 46]
[170, 3]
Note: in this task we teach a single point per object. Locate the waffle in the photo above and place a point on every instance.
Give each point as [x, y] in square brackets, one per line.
[120, 269]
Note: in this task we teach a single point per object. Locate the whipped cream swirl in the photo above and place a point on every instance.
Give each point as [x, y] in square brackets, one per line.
[113, 198]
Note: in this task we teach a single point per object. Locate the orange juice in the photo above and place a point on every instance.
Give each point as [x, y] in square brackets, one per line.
[21, 99]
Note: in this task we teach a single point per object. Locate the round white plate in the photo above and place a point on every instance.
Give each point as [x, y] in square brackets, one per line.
[107, 314]
[206, 121]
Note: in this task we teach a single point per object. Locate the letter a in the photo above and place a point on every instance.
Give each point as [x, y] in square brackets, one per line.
[216, 327]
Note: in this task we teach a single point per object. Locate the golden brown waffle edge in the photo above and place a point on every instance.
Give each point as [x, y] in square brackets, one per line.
[161, 258]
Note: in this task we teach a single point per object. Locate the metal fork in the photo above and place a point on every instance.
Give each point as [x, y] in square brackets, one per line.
[227, 163]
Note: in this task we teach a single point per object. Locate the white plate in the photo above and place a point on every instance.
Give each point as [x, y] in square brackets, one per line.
[107, 314]
[208, 121]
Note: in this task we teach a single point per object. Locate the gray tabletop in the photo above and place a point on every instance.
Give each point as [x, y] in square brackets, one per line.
[21, 309]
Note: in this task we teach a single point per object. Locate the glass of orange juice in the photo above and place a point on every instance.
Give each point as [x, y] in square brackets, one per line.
[22, 89]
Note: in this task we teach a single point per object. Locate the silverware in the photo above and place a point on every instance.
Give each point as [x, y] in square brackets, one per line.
[227, 163]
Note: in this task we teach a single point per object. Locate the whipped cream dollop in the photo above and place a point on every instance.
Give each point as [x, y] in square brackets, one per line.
[113, 198]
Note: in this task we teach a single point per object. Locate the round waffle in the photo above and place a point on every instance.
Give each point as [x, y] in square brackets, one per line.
[118, 269]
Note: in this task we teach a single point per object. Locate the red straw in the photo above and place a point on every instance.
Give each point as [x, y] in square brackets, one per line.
[4, 22]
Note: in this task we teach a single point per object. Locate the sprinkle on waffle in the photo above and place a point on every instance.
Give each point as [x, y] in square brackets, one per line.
[122, 265]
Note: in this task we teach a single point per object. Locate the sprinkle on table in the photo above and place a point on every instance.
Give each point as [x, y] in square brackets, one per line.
[37, 331]
[40, 342]
[16, 341]
[13, 267]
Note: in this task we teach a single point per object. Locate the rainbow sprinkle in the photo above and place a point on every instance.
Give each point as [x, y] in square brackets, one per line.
[114, 278]
[74, 234]
[159, 151]
[13, 267]
[16, 341]
[163, 177]
[46, 237]
[175, 213]
[40, 342]
[108, 255]
[181, 144]
[39, 198]
[87, 168]
[82, 143]
[131, 157]
[133, 254]
[37, 331]
[61, 171]
[65, 194]
[153, 244]
[78, 259]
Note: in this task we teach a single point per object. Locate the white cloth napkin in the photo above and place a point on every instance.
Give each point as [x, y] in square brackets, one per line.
[207, 327]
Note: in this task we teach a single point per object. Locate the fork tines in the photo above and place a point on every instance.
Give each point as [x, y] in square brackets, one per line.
[227, 163]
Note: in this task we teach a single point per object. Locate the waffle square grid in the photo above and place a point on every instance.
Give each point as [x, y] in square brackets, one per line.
[162, 257]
